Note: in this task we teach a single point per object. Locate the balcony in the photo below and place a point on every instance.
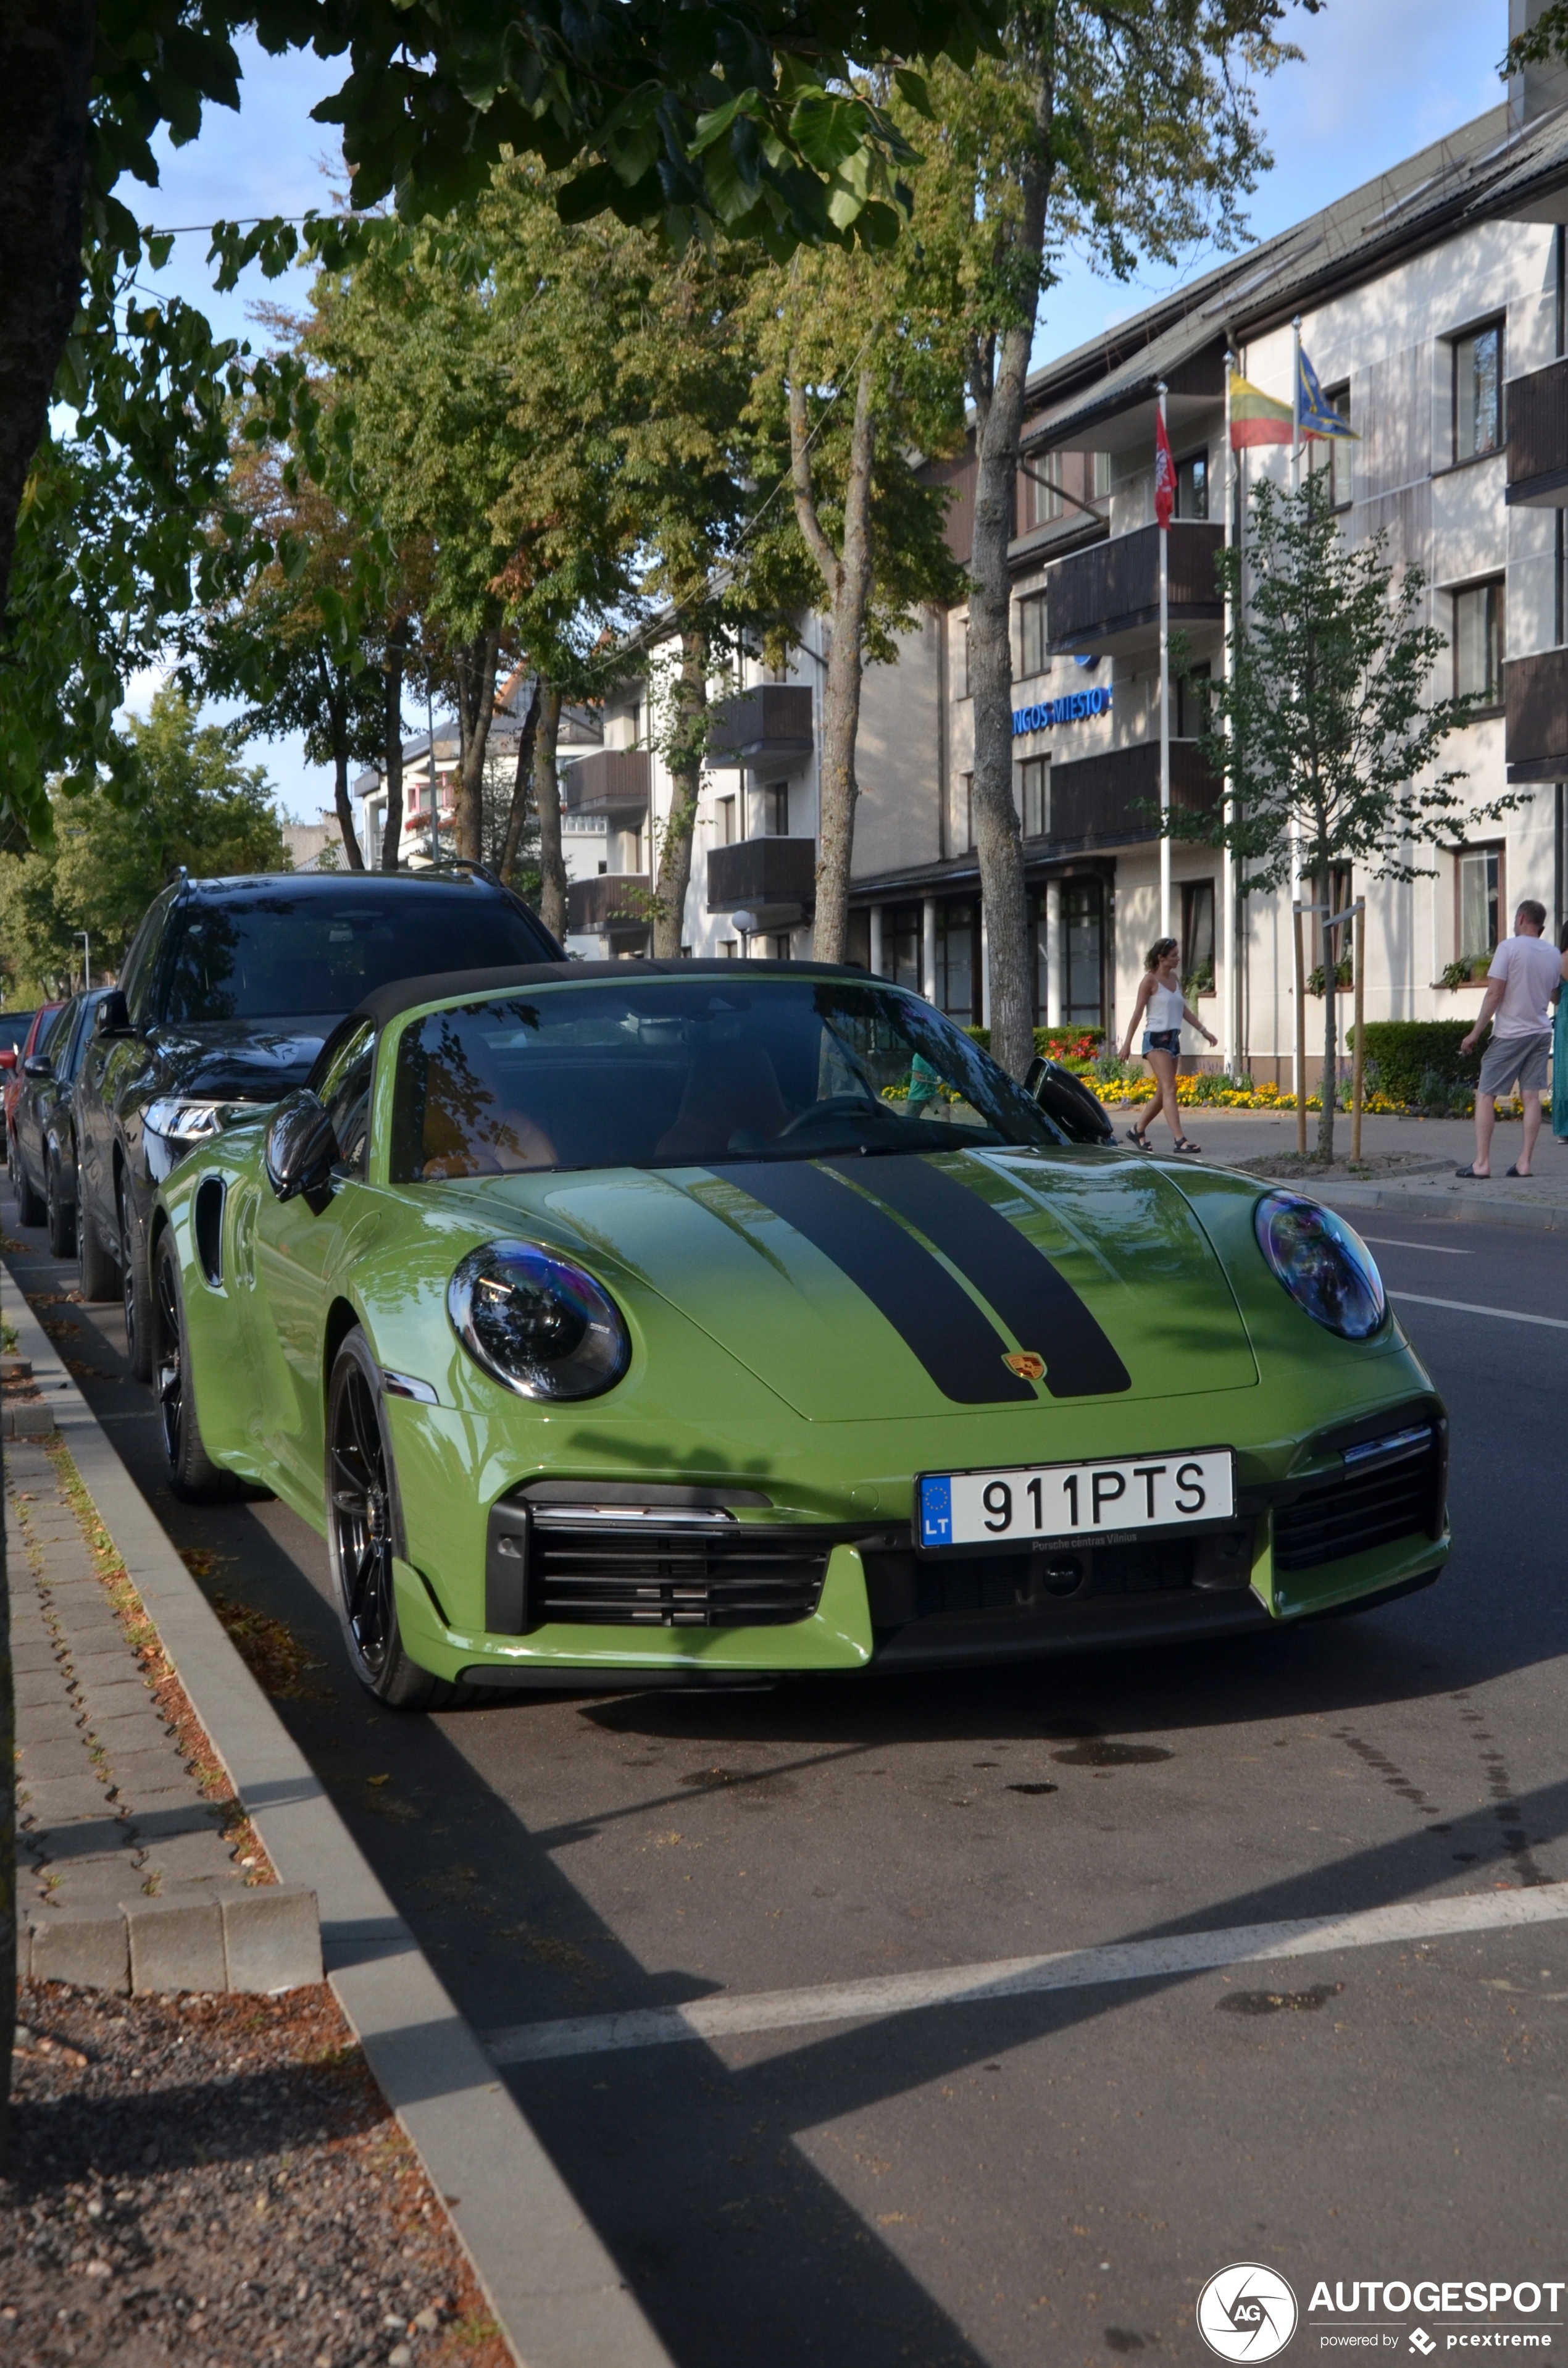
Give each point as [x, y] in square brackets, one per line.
[1534, 704]
[611, 782]
[615, 900]
[1537, 436]
[1107, 600]
[776, 877]
[1112, 800]
[768, 725]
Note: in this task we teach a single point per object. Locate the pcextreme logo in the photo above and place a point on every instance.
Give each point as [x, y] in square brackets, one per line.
[1246, 2312]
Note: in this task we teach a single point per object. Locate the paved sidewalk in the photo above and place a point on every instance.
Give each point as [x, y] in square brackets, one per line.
[110, 1812]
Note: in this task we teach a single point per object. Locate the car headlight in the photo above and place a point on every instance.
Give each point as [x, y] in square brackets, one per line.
[537, 1323]
[1325, 1266]
[181, 1120]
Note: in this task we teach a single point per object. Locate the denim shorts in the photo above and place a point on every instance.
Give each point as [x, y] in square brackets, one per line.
[1161, 1040]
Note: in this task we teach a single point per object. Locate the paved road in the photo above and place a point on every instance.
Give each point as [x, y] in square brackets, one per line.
[1049, 2177]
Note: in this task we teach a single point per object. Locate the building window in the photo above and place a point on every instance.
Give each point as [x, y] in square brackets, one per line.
[728, 947]
[1478, 642]
[724, 821]
[965, 813]
[1033, 654]
[955, 962]
[901, 946]
[776, 810]
[1192, 486]
[779, 947]
[1083, 953]
[1191, 712]
[1330, 463]
[1478, 392]
[1038, 930]
[1034, 796]
[961, 657]
[1480, 891]
[1099, 476]
[1045, 500]
[1197, 937]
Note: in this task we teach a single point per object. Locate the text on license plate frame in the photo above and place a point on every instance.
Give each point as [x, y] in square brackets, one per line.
[1014, 1505]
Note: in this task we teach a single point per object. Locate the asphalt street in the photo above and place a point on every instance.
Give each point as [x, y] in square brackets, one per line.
[1049, 2177]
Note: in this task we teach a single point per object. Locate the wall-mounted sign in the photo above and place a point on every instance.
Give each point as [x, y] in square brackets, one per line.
[1074, 708]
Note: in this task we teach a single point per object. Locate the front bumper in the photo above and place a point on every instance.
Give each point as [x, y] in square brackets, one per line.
[591, 1593]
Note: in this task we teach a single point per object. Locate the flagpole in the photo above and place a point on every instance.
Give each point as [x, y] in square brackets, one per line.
[1298, 1046]
[1165, 702]
[1228, 860]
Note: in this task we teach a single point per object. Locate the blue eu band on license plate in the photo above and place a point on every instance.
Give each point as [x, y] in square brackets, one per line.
[1036, 1502]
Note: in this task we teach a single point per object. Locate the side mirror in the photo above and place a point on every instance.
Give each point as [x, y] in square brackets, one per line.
[38, 1065]
[301, 1149]
[113, 1015]
[1061, 1094]
[8, 1057]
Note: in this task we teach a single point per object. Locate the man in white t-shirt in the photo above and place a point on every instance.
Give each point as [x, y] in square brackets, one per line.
[1521, 987]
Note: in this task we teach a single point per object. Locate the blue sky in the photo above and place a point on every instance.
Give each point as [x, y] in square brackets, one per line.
[1380, 79]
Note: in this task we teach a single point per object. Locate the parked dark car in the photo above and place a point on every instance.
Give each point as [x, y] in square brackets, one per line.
[40, 1023]
[43, 1140]
[15, 1027]
[224, 999]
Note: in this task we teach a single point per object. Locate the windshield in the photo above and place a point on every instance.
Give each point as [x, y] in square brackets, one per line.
[282, 957]
[671, 1073]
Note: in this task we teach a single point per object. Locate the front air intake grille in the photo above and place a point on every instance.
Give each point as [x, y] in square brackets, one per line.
[712, 1574]
[1390, 1488]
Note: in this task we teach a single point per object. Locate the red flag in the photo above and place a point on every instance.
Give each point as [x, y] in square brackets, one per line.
[1165, 472]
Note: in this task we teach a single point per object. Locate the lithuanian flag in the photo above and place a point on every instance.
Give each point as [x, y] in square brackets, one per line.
[1257, 417]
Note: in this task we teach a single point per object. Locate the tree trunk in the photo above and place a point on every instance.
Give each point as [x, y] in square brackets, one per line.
[391, 834]
[338, 711]
[517, 813]
[1330, 1041]
[997, 836]
[46, 70]
[476, 705]
[848, 580]
[547, 805]
[688, 745]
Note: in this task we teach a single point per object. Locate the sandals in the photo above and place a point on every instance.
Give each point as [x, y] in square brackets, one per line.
[1136, 1136]
[1181, 1143]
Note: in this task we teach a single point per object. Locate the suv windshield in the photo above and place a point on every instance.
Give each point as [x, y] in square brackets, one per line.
[282, 957]
[665, 1073]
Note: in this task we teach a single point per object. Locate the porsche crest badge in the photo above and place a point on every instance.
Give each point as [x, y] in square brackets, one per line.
[1027, 1363]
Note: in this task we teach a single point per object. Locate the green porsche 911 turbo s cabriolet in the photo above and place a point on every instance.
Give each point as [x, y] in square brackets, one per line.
[639, 1322]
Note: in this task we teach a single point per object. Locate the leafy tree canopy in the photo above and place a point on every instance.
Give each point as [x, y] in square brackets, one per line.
[191, 803]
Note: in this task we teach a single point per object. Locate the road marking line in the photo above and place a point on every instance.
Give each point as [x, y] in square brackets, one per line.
[729, 2015]
[1398, 1242]
[1469, 1307]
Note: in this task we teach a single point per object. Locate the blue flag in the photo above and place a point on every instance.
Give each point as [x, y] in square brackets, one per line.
[1314, 415]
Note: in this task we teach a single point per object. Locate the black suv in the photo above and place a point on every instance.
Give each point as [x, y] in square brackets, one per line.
[43, 1142]
[225, 998]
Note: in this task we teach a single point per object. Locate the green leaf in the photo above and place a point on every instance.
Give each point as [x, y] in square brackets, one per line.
[827, 131]
[911, 89]
[714, 125]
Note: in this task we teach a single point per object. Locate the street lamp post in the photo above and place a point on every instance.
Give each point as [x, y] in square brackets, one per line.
[87, 958]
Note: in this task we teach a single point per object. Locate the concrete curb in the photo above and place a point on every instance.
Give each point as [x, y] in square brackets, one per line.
[551, 2282]
[1476, 1208]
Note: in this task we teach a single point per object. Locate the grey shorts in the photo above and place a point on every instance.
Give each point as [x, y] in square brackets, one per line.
[1510, 1058]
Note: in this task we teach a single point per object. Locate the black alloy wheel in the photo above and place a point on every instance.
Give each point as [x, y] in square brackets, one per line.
[190, 1470]
[364, 1528]
[31, 1208]
[135, 1295]
[97, 1277]
[61, 1220]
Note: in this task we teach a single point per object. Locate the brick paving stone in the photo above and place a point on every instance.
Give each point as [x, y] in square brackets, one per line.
[52, 1800]
[59, 1754]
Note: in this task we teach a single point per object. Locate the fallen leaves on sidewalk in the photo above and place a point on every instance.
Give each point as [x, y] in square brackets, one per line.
[275, 1658]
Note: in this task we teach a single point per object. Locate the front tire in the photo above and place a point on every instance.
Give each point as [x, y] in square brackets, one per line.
[189, 1469]
[136, 1293]
[364, 1531]
[61, 1220]
[30, 1209]
[97, 1278]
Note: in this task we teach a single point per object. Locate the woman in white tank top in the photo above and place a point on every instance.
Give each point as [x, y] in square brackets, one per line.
[1161, 1009]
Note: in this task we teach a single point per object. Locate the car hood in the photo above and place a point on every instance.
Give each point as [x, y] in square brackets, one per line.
[239, 1060]
[912, 1284]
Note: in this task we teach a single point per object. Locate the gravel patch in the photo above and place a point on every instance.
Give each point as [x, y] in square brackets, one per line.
[217, 2181]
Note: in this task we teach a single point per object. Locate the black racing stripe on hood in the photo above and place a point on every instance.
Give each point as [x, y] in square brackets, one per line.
[934, 1316]
[1039, 1306]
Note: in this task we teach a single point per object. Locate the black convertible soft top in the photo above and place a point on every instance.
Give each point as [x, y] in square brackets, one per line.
[476, 985]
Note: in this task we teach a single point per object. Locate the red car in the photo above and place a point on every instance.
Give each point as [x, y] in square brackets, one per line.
[13, 1053]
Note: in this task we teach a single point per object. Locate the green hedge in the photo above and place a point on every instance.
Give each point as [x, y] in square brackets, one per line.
[1408, 1054]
